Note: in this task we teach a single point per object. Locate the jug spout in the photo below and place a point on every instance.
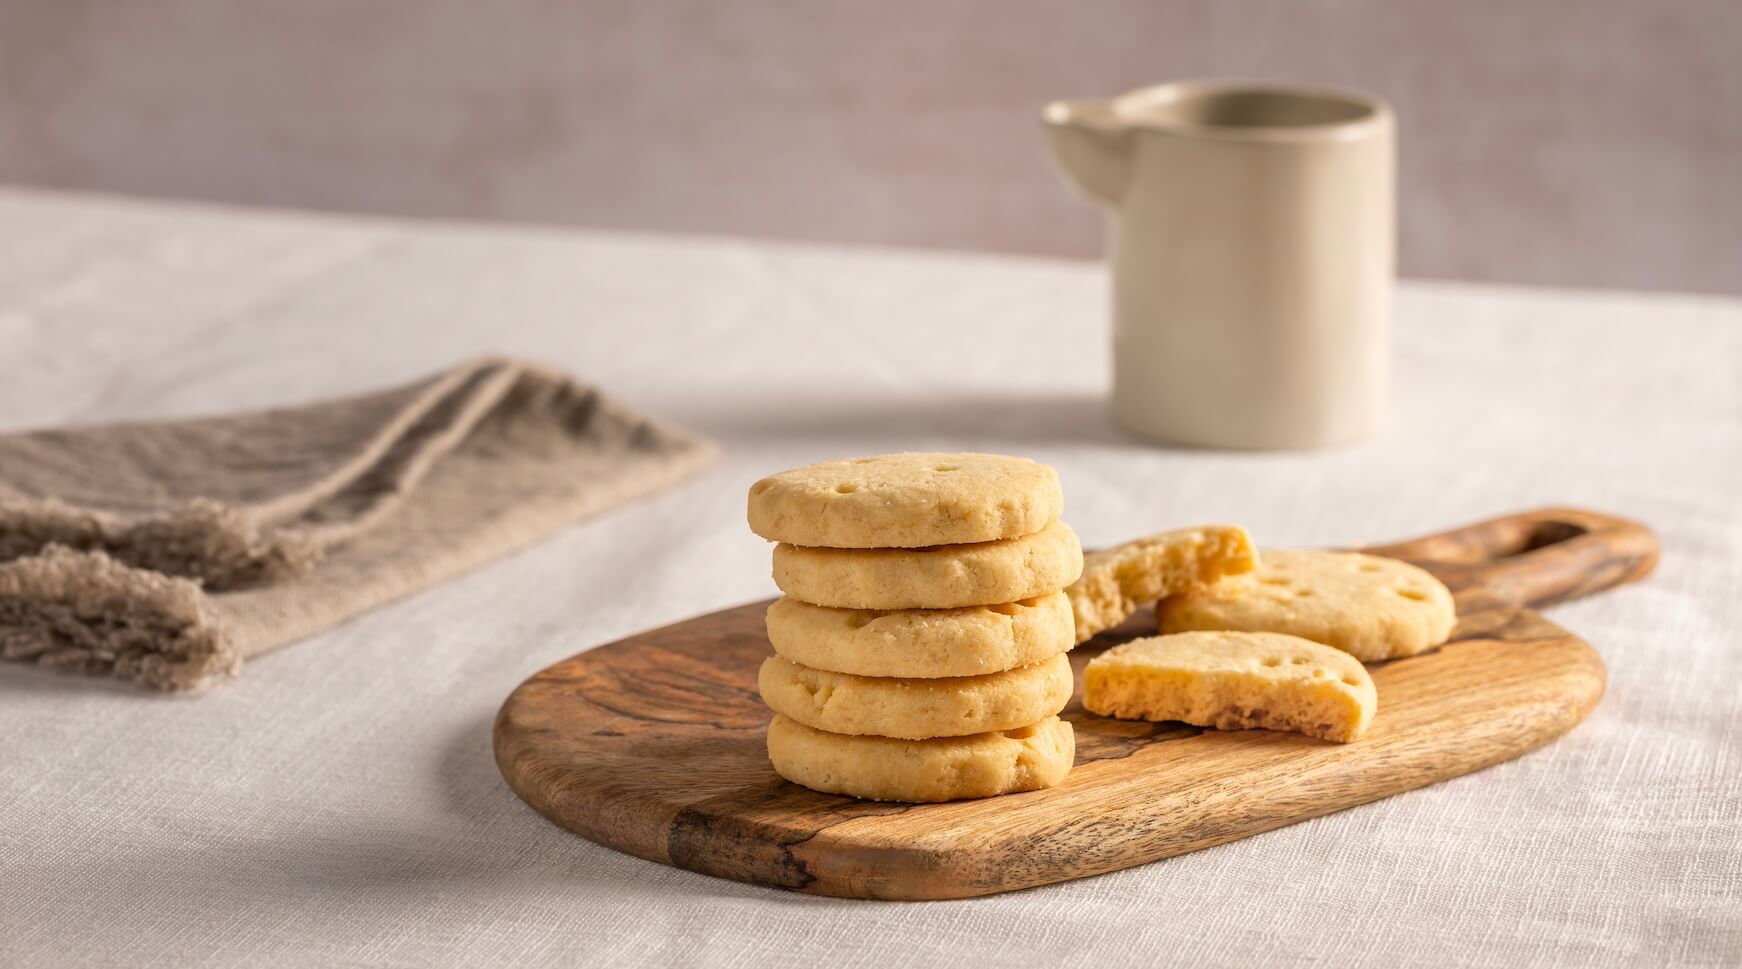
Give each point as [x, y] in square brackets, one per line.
[1092, 144]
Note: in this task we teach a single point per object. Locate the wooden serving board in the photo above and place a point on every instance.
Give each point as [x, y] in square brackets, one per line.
[653, 745]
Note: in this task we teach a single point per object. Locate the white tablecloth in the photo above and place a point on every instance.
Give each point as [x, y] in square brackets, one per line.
[338, 805]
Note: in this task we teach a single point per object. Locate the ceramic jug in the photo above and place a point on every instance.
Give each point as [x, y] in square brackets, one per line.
[1252, 239]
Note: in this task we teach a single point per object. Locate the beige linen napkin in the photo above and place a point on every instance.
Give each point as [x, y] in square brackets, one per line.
[166, 553]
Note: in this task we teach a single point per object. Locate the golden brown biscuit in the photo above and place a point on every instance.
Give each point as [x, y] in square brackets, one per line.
[922, 642]
[1372, 608]
[906, 501]
[945, 769]
[945, 577]
[913, 709]
[1234, 681]
[1117, 580]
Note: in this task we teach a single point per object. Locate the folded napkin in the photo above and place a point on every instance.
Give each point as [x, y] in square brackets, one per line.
[165, 553]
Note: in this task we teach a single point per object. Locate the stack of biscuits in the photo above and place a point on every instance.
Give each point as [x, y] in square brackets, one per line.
[920, 645]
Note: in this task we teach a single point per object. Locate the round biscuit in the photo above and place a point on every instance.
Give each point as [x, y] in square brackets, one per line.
[1368, 606]
[969, 641]
[945, 577]
[913, 709]
[943, 769]
[913, 500]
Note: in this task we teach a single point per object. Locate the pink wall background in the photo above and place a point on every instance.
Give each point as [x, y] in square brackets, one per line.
[1578, 142]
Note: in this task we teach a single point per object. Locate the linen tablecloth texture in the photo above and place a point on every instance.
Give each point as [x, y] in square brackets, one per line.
[164, 553]
[339, 804]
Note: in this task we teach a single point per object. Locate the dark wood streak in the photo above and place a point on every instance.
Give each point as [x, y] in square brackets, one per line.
[653, 745]
[1533, 559]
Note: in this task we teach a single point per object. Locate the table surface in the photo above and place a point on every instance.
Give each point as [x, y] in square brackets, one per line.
[338, 805]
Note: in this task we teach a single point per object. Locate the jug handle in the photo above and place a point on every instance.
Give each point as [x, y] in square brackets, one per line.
[1092, 146]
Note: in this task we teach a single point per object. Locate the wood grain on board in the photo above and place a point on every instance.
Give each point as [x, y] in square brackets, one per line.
[653, 745]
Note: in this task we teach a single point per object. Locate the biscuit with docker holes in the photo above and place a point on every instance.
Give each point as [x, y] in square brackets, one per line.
[1234, 681]
[906, 501]
[1368, 606]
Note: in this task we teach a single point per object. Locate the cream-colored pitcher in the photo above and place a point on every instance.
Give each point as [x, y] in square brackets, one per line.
[1252, 242]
